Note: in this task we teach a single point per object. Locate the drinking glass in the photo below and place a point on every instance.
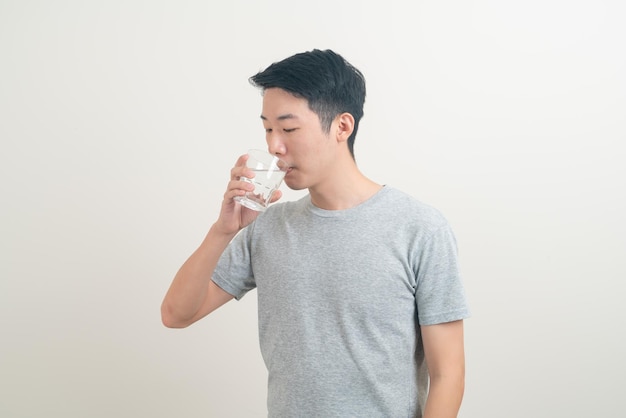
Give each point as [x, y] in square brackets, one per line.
[269, 172]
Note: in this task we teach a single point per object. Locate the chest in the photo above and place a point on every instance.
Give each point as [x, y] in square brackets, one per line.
[352, 264]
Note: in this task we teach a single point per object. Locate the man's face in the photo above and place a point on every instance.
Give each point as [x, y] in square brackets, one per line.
[294, 133]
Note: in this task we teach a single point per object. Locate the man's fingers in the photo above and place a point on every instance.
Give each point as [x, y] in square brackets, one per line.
[276, 195]
[240, 169]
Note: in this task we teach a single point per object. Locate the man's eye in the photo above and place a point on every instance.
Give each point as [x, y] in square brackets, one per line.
[290, 130]
[268, 130]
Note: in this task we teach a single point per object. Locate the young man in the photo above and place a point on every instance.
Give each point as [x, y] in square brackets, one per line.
[360, 298]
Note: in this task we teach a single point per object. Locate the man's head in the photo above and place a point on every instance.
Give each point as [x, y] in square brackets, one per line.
[329, 83]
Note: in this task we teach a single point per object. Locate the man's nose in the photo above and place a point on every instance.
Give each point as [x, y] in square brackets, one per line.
[275, 144]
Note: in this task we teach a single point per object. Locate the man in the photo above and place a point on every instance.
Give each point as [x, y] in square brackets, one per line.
[359, 295]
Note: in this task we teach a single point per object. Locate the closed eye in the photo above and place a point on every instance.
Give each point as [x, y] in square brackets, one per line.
[290, 130]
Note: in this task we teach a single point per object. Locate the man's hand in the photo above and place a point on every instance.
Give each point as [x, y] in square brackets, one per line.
[233, 216]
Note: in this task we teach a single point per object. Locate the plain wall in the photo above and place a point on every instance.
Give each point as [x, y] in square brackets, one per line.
[120, 120]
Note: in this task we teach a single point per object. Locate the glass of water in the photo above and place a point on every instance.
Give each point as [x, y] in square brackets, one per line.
[269, 172]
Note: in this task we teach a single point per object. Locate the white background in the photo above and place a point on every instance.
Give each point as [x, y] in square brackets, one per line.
[120, 120]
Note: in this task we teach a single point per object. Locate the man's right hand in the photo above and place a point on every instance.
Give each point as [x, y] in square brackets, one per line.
[233, 216]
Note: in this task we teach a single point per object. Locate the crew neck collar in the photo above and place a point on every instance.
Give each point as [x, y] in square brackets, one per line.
[326, 213]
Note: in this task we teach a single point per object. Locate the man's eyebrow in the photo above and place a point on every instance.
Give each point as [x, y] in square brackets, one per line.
[283, 117]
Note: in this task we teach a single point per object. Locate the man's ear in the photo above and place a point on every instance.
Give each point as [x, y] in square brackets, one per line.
[345, 126]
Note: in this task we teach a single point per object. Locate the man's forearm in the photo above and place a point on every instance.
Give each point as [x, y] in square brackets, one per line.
[189, 288]
[444, 397]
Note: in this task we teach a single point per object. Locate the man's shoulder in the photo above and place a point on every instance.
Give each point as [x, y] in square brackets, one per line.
[412, 208]
[283, 211]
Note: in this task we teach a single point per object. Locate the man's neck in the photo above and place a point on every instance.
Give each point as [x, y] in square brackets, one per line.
[344, 191]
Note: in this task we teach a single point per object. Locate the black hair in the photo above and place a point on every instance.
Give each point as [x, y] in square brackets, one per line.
[329, 83]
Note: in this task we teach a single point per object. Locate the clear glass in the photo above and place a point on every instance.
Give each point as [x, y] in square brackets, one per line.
[269, 172]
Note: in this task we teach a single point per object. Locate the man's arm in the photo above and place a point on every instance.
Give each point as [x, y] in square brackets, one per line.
[445, 358]
[193, 294]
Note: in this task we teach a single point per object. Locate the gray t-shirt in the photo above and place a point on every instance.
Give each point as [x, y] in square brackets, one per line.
[341, 295]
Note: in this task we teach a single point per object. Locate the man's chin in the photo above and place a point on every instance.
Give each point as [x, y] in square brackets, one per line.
[293, 185]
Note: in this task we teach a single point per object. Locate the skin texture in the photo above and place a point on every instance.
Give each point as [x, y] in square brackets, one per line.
[321, 162]
[445, 358]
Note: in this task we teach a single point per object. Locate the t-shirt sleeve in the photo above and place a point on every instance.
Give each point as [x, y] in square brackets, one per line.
[440, 295]
[233, 272]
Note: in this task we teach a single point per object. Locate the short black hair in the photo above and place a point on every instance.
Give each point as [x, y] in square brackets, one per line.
[329, 83]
